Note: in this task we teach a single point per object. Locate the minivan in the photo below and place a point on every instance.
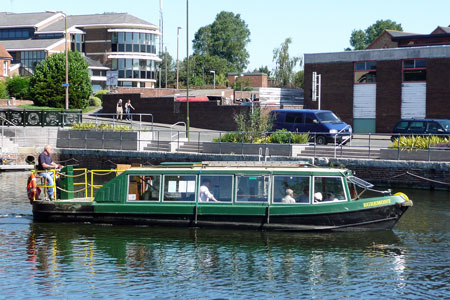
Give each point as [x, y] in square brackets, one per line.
[421, 127]
[324, 123]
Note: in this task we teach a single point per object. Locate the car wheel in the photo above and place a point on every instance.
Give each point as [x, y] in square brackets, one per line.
[321, 140]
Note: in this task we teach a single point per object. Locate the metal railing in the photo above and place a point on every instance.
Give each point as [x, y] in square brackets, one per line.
[139, 121]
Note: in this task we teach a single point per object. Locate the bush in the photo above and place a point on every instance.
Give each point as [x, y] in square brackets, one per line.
[100, 94]
[420, 142]
[231, 137]
[95, 101]
[18, 87]
[285, 137]
[46, 83]
[3, 90]
[106, 127]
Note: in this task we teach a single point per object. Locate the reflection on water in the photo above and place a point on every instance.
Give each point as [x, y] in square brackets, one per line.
[67, 261]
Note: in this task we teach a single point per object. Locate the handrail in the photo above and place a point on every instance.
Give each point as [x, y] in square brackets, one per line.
[178, 133]
[344, 141]
[3, 130]
[115, 119]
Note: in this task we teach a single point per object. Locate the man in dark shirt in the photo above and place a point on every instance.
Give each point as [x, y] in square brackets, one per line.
[45, 162]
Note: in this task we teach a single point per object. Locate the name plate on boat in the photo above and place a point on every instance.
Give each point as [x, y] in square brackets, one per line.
[376, 203]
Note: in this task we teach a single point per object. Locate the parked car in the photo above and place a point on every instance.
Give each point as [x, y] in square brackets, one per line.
[421, 127]
[324, 123]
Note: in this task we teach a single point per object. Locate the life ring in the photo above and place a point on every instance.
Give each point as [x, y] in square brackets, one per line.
[32, 190]
[403, 196]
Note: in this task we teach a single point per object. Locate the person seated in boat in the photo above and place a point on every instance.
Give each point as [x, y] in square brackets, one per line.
[304, 198]
[331, 197]
[318, 197]
[45, 163]
[289, 198]
[148, 181]
[205, 195]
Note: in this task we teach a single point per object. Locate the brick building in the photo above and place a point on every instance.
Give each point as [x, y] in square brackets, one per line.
[5, 62]
[373, 89]
[254, 80]
[110, 41]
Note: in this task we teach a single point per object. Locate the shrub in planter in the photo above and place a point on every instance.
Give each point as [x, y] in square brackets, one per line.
[420, 142]
[231, 137]
[285, 137]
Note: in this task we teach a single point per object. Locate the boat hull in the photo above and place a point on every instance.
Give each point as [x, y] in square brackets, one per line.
[376, 218]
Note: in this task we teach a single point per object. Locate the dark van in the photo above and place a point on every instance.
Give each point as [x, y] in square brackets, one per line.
[324, 123]
[421, 127]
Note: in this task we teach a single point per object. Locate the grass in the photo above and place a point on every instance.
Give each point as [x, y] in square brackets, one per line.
[32, 106]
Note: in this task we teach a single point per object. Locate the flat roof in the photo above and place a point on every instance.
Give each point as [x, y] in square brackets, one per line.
[442, 51]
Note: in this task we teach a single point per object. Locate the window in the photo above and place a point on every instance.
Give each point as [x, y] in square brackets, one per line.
[365, 72]
[220, 186]
[252, 188]
[299, 185]
[402, 125]
[294, 118]
[414, 70]
[132, 42]
[16, 34]
[5, 68]
[328, 189]
[143, 188]
[179, 188]
[30, 59]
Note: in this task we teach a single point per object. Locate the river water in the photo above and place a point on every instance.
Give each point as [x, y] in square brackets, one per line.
[79, 261]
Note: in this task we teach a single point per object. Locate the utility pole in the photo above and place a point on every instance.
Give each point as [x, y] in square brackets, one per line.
[67, 62]
[178, 52]
[161, 39]
[187, 68]
[165, 56]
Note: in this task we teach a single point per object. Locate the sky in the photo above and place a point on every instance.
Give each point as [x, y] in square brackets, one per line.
[315, 26]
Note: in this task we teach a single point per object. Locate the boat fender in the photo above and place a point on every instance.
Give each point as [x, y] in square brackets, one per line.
[32, 190]
[403, 196]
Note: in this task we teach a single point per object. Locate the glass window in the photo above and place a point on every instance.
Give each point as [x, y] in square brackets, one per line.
[179, 188]
[402, 125]
[114, 38]
[414, 70]
[328, 189]
[121, 36]
[143, 188]
[252, 188]
[215, 187]
[365, 72]
[291, 189]
[294, 118]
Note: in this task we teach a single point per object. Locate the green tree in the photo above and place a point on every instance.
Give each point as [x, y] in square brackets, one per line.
[360, 39]
[254, 123]
[18, 87]
[227, 38]
[3, 90]
[171, 71]
[299, 79]
[265, 70]
[285, 65]
[46, 83]
[201, 66]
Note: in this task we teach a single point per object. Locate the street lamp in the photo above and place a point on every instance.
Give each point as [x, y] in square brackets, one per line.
[234, 90]
[178, 52]
[214, 75]
[67, 62]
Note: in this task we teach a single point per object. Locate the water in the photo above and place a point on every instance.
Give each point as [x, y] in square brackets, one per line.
[79, 261]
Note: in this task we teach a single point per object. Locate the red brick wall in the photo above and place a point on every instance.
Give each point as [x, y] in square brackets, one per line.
[438, 88]
[389, 94]
[250, 80]
[337, 88]
[208, 115]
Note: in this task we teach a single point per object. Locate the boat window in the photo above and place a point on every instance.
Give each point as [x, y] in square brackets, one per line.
[143, 188]
[218, 186]
[179, 188]
[328, 189]
[291, 189]
[252, 188]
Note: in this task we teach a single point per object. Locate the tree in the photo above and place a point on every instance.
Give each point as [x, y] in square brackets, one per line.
[171, 70]
[264, 69]
[227, 38]
[285, 65]
[46, 83]
[201, 66]
[299, 79]
[18, 87]
[360, 39]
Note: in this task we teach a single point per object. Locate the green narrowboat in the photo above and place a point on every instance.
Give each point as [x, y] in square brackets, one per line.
[253, 195]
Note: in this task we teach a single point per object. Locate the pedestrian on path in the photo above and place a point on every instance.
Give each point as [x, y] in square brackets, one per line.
[119, 109]
[128, 108]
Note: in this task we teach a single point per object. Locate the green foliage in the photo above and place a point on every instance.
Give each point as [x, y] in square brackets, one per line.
[420, 142]
[171, 71]
[100, 94]
[227, 38]
[106, 127]
[360, 39]
[286, 137]
[299, 79]
[231, 137]
[46, 83]
[284, 72]
[264, 69]
[3, 90]
[18, 87]
[200, 66]
[95, 101]
[253, 125]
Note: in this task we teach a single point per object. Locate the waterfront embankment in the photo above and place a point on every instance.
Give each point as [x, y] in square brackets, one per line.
[412, 174]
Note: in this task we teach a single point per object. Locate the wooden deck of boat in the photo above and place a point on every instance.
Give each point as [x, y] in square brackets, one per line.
[81, 199]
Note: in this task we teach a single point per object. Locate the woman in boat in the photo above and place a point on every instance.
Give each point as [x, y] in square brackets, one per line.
[289, 198]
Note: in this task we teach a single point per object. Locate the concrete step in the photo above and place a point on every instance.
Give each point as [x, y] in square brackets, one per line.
[344, 152]
[162, 146]
[192, 147]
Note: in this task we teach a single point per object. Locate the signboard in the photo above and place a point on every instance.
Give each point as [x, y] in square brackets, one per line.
[112, 78]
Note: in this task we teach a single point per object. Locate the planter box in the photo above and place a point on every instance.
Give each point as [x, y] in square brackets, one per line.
[434, 155]
[109, 140]
[252, 149]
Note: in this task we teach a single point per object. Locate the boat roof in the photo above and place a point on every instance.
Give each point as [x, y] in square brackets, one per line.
[241, 166]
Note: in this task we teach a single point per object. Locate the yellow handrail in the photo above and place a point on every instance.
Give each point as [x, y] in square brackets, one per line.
[44, 186]
[97, 185]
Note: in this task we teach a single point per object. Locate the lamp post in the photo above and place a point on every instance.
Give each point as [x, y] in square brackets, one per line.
[67, 62]
[214, 75]
[187, 69]
[178, 52]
